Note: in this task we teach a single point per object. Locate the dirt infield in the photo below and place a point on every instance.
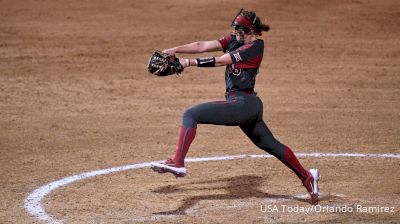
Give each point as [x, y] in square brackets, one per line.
[75, 97]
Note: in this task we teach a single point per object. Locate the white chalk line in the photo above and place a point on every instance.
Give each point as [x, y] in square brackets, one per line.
[33, 203]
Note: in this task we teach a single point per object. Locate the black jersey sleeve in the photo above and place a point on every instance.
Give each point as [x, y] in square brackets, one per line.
[224, 41]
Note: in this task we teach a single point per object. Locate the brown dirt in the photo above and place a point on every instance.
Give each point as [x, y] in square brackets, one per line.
[75, 96]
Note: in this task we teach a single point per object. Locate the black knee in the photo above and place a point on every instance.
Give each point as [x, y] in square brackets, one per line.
[188, 118]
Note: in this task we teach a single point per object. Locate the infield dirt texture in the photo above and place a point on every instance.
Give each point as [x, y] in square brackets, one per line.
[75, 96]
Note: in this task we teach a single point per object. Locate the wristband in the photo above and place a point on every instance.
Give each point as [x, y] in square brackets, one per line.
[206, 62]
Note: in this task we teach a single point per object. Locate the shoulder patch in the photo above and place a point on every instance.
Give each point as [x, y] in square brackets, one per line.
[237, 56]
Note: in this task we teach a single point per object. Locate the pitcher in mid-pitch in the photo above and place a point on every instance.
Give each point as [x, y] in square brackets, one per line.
[243, 54]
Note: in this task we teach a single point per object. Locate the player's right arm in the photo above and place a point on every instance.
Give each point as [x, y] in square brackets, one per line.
[196, 47]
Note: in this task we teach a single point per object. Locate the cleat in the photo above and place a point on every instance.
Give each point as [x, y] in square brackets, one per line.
[311, 184]
[169, 166]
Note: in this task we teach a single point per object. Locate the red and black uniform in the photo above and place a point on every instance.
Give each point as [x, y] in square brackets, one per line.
[241, 108]
[246, 58]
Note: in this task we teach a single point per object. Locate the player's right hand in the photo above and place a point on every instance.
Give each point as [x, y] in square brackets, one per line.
[170, 51]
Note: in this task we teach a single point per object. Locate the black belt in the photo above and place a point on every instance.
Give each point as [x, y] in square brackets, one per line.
[247, 91]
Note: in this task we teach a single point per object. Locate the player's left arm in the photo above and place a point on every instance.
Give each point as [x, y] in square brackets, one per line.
[217, 61]
[223, 60]
[242, 54]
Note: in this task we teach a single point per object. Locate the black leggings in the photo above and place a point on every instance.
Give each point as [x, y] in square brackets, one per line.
[240, 109]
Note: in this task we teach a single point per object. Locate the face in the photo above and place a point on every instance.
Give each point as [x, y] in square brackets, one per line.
[239, 33]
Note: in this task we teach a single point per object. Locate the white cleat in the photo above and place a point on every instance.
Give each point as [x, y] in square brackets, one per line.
[169, 166]
[311, 184]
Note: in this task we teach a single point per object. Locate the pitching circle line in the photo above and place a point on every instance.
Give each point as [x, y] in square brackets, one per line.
[33, 203]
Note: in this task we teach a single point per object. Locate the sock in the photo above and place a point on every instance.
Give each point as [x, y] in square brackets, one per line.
[186, 137]
[290, 160]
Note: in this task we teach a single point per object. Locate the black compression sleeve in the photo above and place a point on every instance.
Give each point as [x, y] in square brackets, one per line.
[206, 62]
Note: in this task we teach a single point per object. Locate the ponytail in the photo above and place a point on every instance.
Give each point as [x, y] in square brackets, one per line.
[256, 22]
[260, 27]
[264, 27]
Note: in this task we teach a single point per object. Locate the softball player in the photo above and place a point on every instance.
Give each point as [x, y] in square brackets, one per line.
[242, 58]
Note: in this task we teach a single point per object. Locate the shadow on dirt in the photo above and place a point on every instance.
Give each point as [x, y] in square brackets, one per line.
[240, 187]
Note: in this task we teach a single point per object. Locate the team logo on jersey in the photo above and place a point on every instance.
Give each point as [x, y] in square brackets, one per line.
[236, 71]
[237, 56]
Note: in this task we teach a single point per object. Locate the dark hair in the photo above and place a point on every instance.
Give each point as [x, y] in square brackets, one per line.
[256, 21]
